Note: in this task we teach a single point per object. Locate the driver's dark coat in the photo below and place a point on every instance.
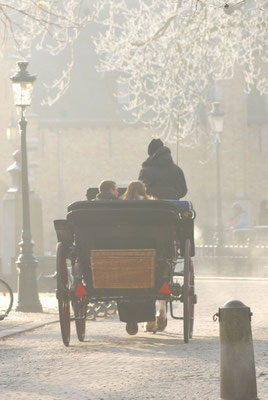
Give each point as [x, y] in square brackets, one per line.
[162, 177]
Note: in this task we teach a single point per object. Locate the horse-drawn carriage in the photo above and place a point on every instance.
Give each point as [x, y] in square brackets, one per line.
[131, 252]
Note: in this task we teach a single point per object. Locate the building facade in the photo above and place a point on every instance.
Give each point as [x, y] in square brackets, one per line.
[85, 138]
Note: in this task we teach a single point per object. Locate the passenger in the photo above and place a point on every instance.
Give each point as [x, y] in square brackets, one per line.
[136, 190]
[107, 191]
[163, 178]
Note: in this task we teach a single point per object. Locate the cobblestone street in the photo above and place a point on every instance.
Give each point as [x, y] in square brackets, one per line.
[112, 365]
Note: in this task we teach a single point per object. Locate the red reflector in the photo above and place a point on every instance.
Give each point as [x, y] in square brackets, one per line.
[80, 291]
[186, 214]
[164, 289]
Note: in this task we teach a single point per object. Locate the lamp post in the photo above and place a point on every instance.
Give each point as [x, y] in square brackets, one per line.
[28, 299]
[216, 121]
[12, 129]
[15, 169]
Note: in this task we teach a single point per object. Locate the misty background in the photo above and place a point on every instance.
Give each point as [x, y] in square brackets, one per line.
[87, 136]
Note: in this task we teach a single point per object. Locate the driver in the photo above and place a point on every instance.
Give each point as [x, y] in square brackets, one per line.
[163, 178]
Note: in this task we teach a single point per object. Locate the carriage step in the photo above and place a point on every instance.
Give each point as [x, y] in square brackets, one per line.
[171, 311]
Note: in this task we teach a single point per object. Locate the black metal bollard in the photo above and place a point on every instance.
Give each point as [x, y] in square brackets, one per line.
[237, 365]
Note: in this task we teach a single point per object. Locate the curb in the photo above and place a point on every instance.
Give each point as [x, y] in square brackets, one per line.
[18, 330]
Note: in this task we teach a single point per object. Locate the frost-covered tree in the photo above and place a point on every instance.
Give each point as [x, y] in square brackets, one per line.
[52, 26]
[171, 53]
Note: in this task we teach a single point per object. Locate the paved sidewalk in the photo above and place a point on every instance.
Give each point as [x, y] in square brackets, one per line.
[18, 322]
[111, 365]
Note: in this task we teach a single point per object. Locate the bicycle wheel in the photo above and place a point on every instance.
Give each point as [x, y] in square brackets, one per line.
[6, 299]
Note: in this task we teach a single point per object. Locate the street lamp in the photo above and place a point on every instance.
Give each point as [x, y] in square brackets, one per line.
[28, 300]
[216, 122]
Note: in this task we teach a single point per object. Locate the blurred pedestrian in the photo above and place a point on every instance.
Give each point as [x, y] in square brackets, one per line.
[163, 178]
[240, 218]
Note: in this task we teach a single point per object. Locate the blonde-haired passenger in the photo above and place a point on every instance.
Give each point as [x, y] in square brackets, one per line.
[136, 190]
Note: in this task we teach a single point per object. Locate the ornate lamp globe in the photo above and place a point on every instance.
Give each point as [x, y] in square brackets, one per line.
[22, 85]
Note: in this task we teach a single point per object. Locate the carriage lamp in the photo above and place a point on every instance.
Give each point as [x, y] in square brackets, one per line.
[216, 118]
[28, 299]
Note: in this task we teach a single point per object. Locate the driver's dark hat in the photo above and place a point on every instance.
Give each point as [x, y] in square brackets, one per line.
[154, 145]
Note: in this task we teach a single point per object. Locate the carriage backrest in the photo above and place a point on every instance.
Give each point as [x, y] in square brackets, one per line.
[141, 223]
[177, 206]
[143, 212]
[123, 225]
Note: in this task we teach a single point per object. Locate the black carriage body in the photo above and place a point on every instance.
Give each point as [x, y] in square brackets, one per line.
[126, 251]
[160, 225]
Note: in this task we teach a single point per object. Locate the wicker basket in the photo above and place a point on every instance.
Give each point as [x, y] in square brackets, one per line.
[123, 269]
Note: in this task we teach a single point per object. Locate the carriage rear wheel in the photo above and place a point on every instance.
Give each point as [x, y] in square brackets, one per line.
[63, 295]
[188, 294]
[80, 311]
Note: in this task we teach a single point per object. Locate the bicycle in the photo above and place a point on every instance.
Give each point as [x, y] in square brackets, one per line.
[6, 299]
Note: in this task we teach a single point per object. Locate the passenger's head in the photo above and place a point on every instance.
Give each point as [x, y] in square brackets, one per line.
[108, 187]
[154, 145]
[136, 190]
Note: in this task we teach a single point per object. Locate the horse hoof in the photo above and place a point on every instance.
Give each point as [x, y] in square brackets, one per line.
[150, 326]
[132, 328]
[161, 323]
